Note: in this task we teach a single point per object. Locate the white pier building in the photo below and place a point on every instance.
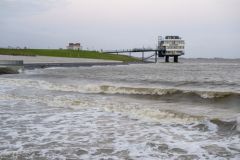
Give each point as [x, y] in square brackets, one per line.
[171, 46]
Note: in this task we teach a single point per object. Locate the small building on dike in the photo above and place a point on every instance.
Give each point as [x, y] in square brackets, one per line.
[171, 46]
[74, 46]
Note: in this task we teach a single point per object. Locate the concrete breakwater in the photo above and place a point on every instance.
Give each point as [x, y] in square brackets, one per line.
[10, 66]
[82, 64]
[13, 66]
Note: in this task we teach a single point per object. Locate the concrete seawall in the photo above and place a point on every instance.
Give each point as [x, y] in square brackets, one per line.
[83, 64]
[10, 66]
[11, 62]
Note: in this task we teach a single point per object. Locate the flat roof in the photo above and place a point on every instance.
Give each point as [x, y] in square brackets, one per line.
[172, 37]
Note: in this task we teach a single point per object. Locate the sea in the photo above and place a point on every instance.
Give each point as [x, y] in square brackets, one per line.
[187, 110]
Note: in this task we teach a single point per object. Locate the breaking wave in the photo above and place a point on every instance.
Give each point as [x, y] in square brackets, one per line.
[165, 92]
[124, 90]
[148, 112]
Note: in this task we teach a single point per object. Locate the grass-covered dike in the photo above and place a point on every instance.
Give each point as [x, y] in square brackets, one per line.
[67, 54]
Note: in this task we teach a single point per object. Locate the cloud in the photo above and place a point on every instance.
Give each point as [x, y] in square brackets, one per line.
[210, 27]
[16, 8]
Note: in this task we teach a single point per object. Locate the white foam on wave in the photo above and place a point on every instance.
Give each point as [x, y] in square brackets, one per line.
[211, 126]
[63, 125]
[131, 129]
[211, 94]
[134, 109]
[128, 107]
[174, 115]
[131, 108]
[108, 88]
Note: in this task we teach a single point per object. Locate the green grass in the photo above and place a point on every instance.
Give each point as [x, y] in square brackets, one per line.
[67, 53]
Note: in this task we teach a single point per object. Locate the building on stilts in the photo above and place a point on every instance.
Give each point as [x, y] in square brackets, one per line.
[171, 46]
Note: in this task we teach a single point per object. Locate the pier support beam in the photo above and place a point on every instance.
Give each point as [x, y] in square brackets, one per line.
[175, 59]
[156, 56]
[167, 59]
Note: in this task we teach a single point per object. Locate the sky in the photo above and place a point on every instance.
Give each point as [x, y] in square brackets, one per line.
[211, 28]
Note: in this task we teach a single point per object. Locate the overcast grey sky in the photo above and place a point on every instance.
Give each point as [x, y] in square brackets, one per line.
[211, 28]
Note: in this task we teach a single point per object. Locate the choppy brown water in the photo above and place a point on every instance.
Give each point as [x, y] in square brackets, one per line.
[189, 110]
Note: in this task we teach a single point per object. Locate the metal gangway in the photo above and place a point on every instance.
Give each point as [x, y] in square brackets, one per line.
[138, 50]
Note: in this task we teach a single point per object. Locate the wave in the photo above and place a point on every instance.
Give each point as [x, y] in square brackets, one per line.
[205, 83]
[172, 116]
[166, 92]
[121, 89]
[138, 110]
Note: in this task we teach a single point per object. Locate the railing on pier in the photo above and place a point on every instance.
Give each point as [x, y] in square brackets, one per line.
[138, 50]
[132, 50]
[161, 52]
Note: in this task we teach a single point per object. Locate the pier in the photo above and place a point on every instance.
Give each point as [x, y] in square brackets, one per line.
[141, 51]
[170, 46]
